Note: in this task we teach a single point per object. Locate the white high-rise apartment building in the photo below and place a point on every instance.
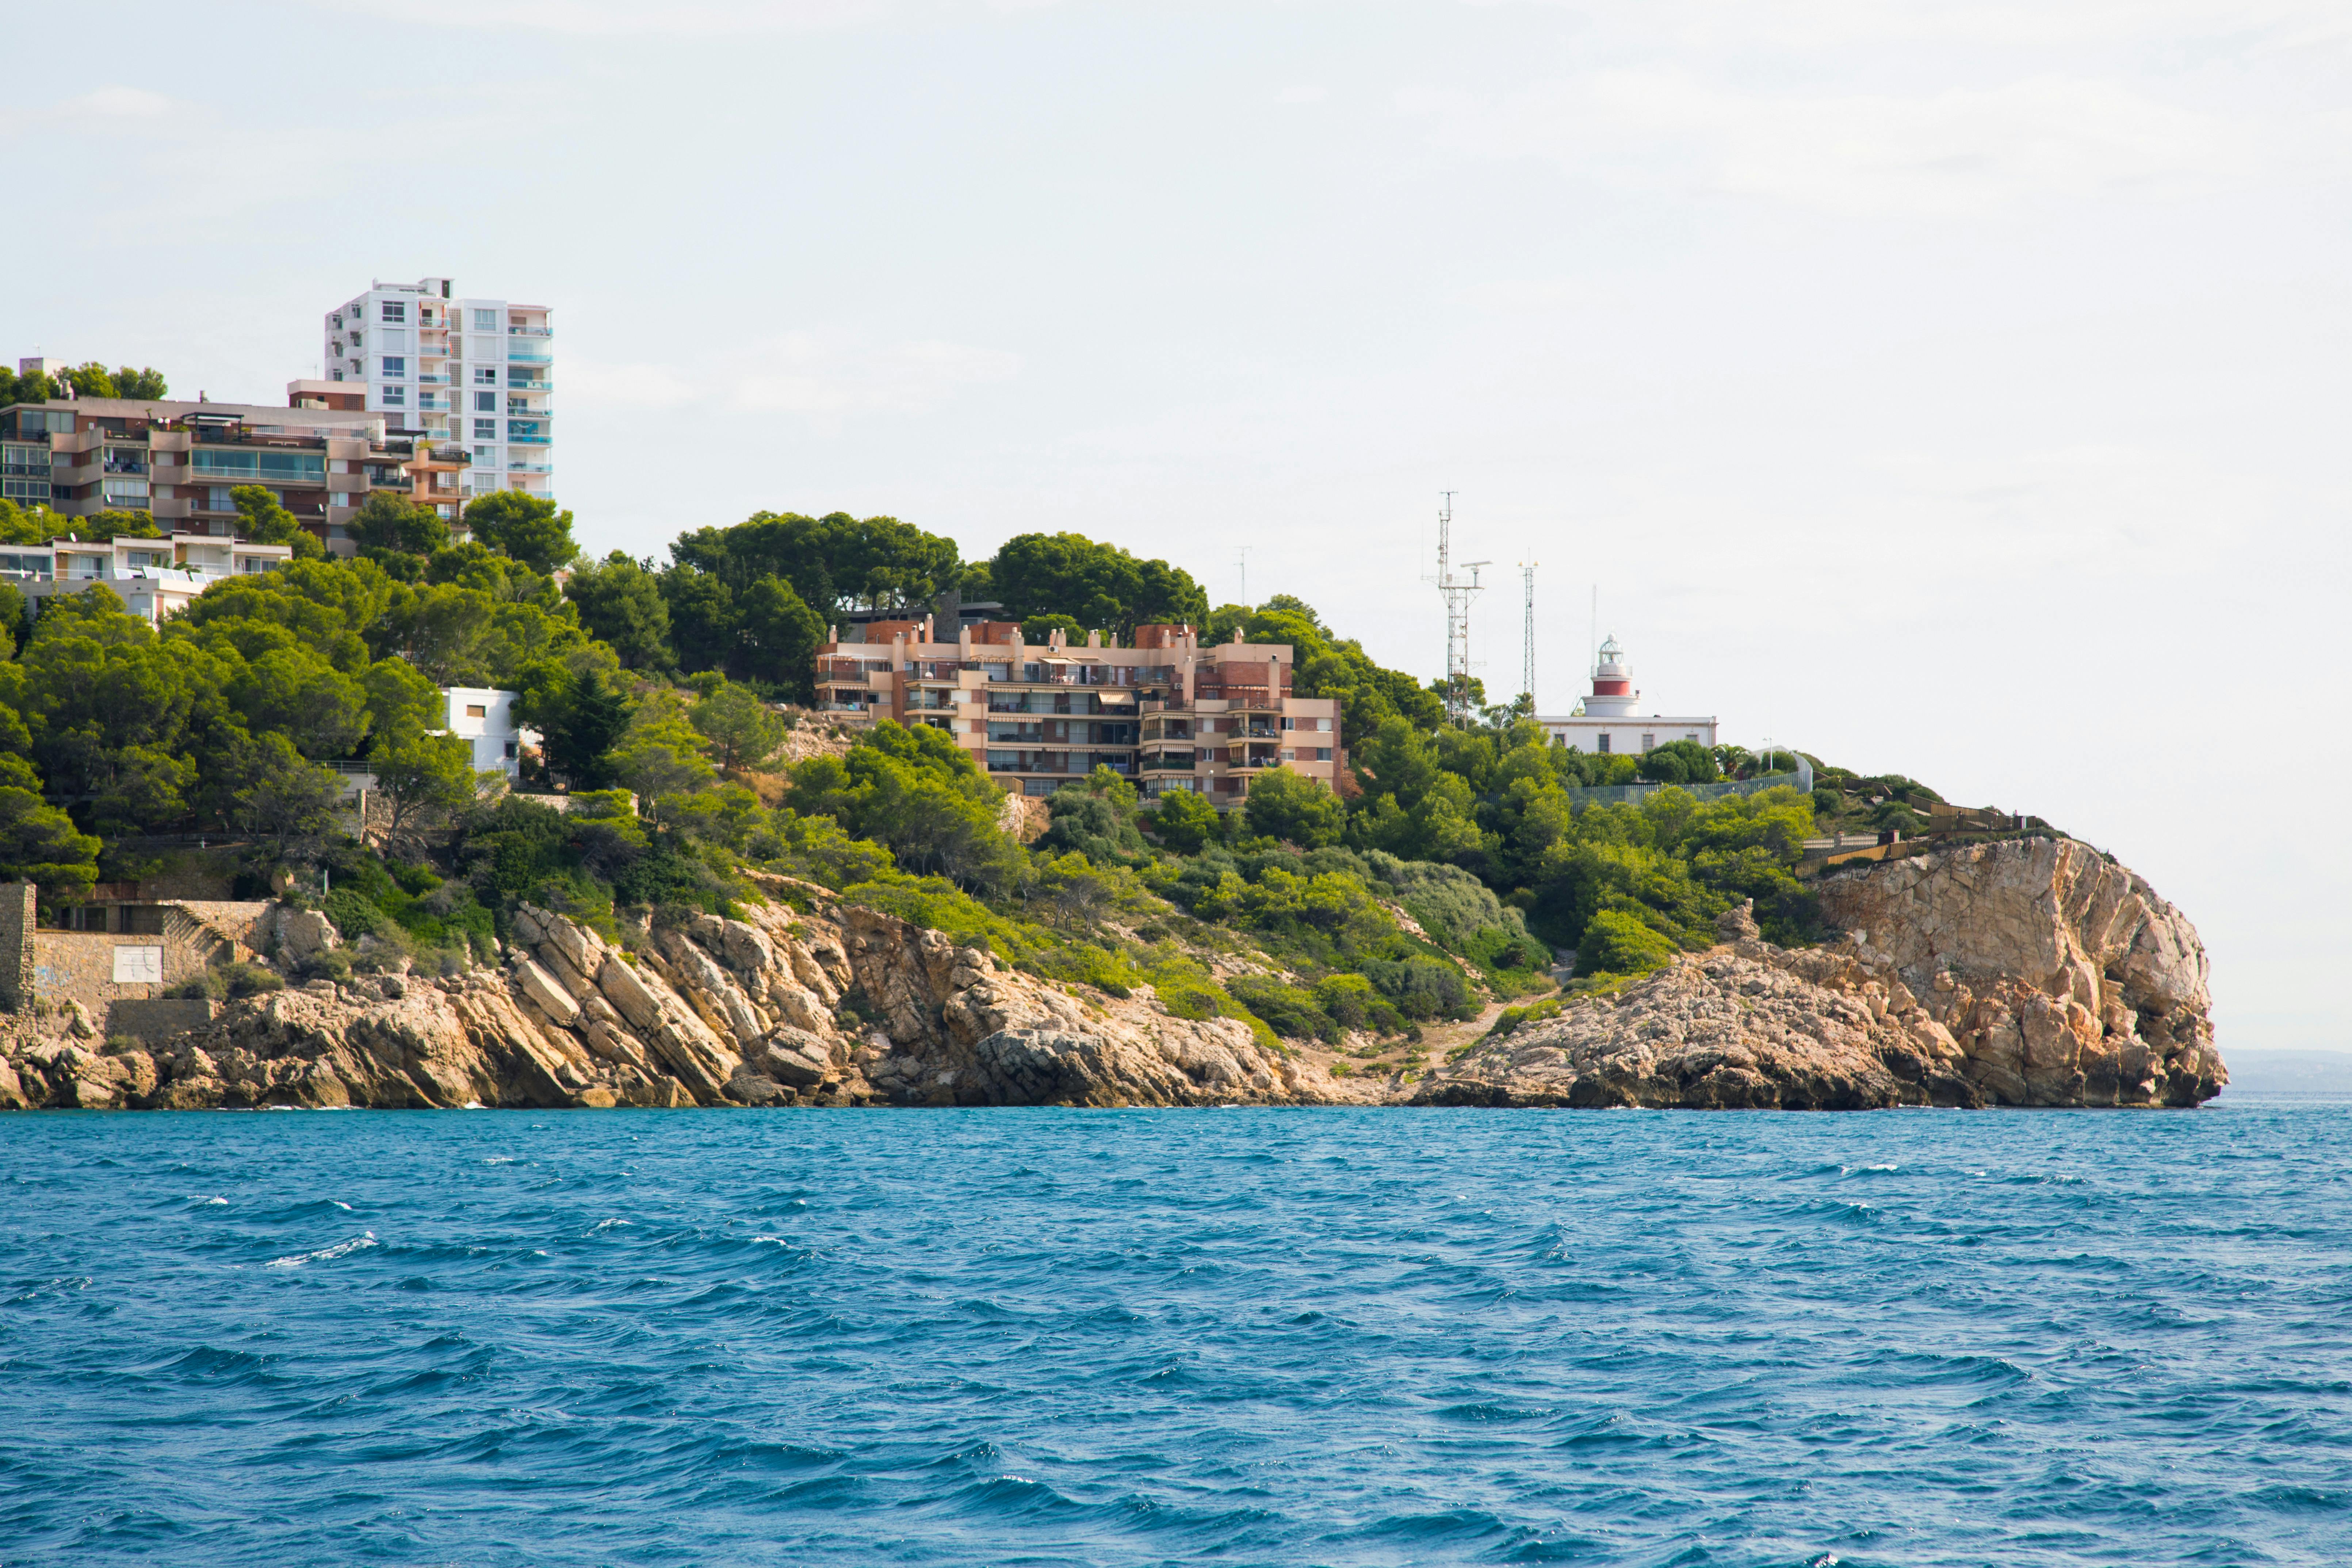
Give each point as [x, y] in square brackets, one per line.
[473, 372]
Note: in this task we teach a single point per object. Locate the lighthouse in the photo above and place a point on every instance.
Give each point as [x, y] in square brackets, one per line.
[1612, 684]
[1609, 721]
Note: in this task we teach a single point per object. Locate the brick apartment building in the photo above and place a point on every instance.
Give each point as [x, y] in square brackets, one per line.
[180, 462]
[1166, 713]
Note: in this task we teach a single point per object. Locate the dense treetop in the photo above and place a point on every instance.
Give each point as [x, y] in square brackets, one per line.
[1461, 860]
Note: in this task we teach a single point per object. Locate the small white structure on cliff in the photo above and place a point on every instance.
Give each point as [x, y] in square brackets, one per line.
[1606, 722]
[483, 718]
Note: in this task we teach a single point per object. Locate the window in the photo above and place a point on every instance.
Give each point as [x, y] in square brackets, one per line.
[1603, 747]
[486, 375]
[335, 375]
[1288, 755]
[260, 465]
[394, 365]
[1323, 723]
[395, 397]
[486, 402]
[486, 456]
[131, 493]
[138, 965]
[359, 339]
[486, 321]
[477, 710]
[1322, 753]
[217, 498]
[511, 751]
[396, 310]
[1649, 743]
[485, 429]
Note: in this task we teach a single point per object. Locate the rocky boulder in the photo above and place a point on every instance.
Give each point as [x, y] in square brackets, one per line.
[2025, 973]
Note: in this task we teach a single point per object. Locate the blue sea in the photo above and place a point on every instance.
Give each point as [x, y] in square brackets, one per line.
[1032, 1337]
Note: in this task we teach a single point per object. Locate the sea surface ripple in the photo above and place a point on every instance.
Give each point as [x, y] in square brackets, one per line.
[1140, 1337]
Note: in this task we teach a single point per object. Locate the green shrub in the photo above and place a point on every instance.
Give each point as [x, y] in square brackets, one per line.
[1352, 1002]
[1084, 964]
[1616, 943]
[1194, 999]
[241, 979]
[1286, 1010]
[355, 915]
[1513, 1018]
[326, 964]
[1422, 988]
[937, 904]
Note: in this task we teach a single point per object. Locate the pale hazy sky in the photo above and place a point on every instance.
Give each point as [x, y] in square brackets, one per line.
[1957, 389]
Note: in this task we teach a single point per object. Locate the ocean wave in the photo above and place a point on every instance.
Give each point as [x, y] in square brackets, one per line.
[359, 1243]
[1136, 1338]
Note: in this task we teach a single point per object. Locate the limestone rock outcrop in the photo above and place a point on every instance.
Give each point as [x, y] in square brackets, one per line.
[2011, 974]
[828, 1006]
[2031, 973]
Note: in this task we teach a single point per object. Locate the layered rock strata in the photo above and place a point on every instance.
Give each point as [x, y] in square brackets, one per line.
[838, 1005]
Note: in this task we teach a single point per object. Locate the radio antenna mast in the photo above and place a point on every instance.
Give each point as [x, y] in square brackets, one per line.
[1458, 593]
[1527, 634]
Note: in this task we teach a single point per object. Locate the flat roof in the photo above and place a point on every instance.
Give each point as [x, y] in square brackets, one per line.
[173, 408]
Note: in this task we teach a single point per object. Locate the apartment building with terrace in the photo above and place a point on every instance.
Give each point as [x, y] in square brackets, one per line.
[475, 372]
[1165, 713]
[181, 461]
[154, 578]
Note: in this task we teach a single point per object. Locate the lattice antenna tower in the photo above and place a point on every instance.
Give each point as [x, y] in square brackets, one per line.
[1458, 593]
[1528, 632]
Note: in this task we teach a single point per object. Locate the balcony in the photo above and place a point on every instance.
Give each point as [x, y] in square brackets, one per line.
[531, 332]
[431, 381]
[530, 441]
[530, 468]
[529, 356]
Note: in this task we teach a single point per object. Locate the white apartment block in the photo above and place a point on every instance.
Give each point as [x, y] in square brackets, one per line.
[476, 372]
[483, 718]
[154, 578]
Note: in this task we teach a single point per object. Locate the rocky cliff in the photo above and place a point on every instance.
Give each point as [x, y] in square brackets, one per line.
[2029, 972]
[2015, 973]
[834, 1006]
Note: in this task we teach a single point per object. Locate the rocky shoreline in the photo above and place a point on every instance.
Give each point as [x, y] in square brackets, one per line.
[2025, 973]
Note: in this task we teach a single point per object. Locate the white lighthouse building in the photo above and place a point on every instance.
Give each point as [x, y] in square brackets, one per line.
[1610, 721]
